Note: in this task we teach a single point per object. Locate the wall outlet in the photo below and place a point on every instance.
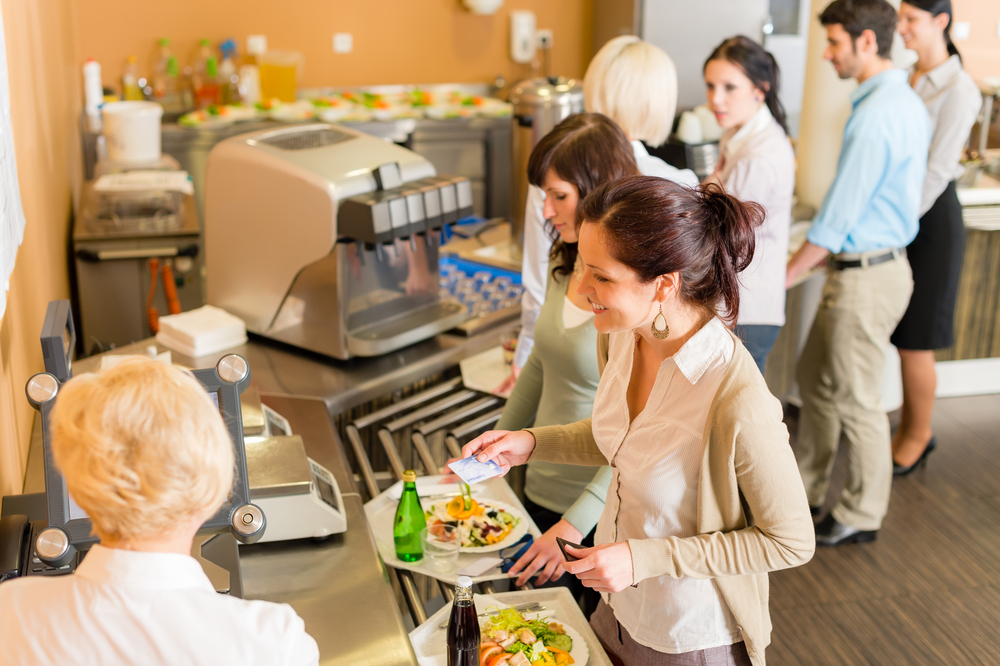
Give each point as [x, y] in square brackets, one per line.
[522, 36]
[960, 31]
[343, 42]
[543, 38]
[256, 44]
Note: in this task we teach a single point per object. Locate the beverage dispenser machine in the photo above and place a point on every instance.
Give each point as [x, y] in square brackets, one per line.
[327, 239]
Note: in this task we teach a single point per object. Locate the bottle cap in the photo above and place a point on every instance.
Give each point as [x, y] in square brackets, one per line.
[464, 582]
[164, 41]
[409, 476]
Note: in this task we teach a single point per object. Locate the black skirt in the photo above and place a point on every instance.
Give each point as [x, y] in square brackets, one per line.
[936, 259]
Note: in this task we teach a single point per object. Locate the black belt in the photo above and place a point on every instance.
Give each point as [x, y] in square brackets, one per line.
[841, 264]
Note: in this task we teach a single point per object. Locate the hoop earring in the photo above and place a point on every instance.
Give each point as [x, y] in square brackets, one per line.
[660, 332]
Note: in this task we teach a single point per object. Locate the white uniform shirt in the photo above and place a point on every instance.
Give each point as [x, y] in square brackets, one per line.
[655, 461]
[758, 164]
[538, 243]
[953, 101]
[125, 607]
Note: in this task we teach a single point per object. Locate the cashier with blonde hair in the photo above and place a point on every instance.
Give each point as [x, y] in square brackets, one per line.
[146, 454]
[635, 84]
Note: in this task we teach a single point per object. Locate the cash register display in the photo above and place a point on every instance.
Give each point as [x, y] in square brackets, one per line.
[75, 512]
[64, 512]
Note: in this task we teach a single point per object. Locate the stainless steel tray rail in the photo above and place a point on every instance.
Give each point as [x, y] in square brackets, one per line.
[435, 409]
[423, 415]
[457, 436]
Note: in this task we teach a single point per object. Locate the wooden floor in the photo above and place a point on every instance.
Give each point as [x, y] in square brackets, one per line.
[928, 590]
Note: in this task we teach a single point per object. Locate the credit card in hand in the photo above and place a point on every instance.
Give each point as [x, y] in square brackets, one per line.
[471, 470]
[562, 546]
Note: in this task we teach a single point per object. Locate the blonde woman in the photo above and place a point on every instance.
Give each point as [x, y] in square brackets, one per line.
[145, 453]
[635, 84]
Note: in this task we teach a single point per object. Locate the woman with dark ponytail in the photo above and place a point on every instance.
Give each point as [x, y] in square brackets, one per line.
[705, 497]
[953, 101]
[757, 164]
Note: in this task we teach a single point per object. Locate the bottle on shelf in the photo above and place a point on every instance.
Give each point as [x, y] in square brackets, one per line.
[205, 79]
[167, 89]
[229, 80]
[93, 94]
[130, 80]
[463, 627]
[250, 71]
[409, 521]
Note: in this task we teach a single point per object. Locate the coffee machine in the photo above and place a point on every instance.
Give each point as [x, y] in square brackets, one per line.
[327, 239]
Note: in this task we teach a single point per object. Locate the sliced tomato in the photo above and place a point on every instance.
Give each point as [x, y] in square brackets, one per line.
[500, 659]
[486, 655]
[486, 644]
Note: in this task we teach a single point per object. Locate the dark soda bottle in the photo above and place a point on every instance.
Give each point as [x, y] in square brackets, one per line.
[409, 521]
[463, 628]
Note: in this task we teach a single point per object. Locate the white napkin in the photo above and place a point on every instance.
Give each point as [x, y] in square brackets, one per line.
[201, 332]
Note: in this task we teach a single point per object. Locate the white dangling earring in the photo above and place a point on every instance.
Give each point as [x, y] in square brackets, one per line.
[661, 331]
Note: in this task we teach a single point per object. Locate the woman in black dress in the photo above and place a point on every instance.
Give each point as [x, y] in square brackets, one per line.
[953, 101]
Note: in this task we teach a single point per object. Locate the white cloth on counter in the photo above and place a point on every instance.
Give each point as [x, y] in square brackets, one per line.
[197, 333]
[127, 607]
[538, 243]
[142, 180]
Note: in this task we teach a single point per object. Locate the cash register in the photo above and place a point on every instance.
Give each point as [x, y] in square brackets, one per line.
[54, 542]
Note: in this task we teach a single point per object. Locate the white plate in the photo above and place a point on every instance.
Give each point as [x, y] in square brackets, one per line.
[580, 651]
[519, 530]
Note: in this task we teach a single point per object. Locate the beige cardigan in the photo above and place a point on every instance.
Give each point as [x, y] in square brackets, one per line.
[753, 516]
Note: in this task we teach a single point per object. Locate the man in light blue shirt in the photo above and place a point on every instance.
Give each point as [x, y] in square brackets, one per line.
[869, 216]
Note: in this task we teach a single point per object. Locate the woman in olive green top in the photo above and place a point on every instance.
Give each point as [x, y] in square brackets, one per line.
[558, 382]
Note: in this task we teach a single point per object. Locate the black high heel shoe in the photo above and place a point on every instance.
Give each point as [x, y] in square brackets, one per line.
[903, 470]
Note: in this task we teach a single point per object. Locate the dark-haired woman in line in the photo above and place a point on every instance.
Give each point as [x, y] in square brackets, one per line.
[559, 379]
[705, 496]
[953, 101]
[756, 164]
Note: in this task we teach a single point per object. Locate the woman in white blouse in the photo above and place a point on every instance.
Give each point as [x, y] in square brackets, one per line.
[705, 496]
[953, 101]
[635, 84]
[756, 164]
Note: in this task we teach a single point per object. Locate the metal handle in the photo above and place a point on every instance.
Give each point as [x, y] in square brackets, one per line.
[413, 602]
[137, 253]
[354, 437]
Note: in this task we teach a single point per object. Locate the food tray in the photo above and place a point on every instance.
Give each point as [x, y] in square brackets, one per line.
[381, 511]
[429, 641]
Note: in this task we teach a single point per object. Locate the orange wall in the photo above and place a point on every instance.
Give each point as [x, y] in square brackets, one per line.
[44, 102]
[981, 52]
[395, 41]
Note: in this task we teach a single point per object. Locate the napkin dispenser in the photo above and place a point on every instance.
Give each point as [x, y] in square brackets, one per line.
[326, 238]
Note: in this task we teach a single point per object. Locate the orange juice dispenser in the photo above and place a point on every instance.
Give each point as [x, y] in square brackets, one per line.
[279, 74]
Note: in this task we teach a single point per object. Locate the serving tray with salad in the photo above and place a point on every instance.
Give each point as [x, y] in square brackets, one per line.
[510, 638]
[485, 525]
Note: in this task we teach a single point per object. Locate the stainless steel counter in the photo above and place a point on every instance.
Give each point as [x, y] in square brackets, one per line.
[279, 369]
[339, 586]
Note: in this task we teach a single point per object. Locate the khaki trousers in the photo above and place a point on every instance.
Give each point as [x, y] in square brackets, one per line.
[840, 380]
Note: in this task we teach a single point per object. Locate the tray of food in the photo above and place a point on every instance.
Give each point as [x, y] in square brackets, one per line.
[496, 520]
[486, 526]
[555, 635]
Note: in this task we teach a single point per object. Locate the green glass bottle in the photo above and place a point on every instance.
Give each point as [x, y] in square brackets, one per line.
[409, 521]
